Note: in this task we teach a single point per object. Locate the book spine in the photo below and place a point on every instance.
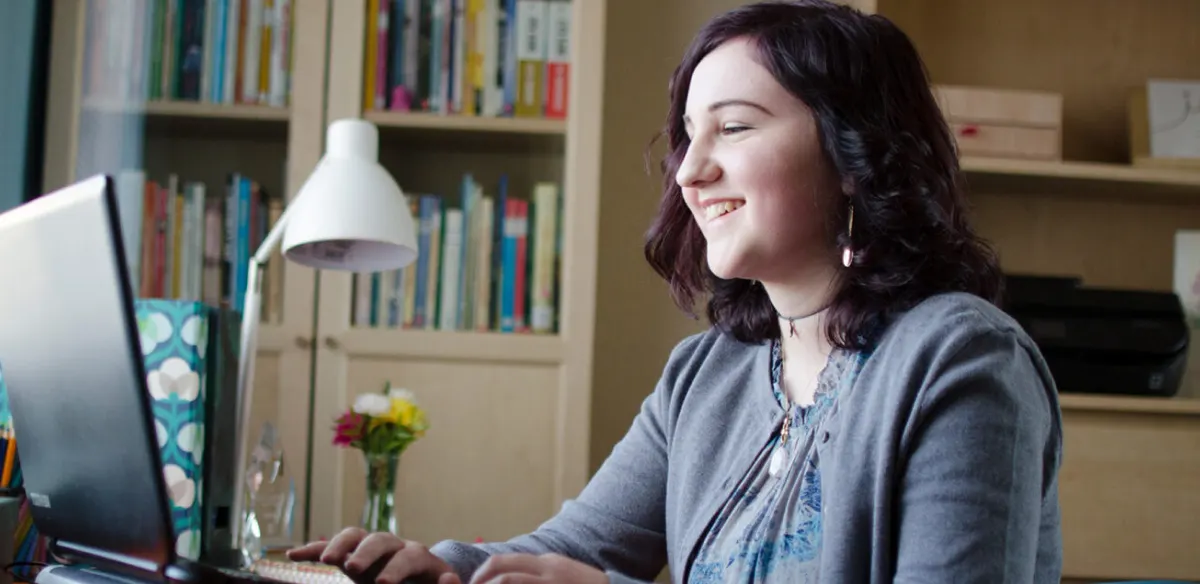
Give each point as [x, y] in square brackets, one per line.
[558, 60]
[531, 57]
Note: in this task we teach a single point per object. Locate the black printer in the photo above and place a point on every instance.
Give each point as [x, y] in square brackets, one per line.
[1101, 340]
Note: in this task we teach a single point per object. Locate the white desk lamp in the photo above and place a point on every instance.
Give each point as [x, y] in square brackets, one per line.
[349, 215]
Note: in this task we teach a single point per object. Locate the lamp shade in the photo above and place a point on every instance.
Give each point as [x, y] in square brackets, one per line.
[350, 214]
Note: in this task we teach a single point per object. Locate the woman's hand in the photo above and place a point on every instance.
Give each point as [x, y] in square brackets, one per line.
[377, 558]
[526, 568]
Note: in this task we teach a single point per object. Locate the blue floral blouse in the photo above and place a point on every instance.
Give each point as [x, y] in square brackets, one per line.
[770, 528]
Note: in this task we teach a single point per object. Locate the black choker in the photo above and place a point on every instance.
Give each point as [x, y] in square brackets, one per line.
[792, 320]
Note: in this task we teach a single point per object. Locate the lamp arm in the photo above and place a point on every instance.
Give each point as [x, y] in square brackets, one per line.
[273, 238]
[248, 342]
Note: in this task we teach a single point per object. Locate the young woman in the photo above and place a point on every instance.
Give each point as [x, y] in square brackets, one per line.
[860, 410]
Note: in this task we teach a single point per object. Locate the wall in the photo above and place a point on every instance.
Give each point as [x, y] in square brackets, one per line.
[20, 101]
[637, 325]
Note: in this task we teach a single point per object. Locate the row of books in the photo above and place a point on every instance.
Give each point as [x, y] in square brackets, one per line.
[491, 263]
[468, 57]
[215, 51]
[193, 241]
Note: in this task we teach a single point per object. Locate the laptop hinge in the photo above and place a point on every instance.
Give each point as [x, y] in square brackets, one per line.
[139, 568]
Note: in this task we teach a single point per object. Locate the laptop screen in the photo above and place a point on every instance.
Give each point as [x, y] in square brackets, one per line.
[73, 369]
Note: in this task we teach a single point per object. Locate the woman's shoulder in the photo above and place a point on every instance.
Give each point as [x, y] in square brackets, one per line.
[955, 344]
[709, 368]
[708, 351]
[951, 320]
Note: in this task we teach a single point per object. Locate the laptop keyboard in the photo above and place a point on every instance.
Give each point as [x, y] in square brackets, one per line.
[299, 572]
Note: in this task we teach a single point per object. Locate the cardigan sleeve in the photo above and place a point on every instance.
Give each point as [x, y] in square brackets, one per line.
[981, 467]
[617, 523]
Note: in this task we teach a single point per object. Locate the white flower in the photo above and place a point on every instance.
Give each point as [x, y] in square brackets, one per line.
[174, 376]
[401, 393]
[153, 329]
[372, 404]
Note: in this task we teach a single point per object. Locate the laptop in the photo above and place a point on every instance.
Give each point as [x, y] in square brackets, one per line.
[77, 390]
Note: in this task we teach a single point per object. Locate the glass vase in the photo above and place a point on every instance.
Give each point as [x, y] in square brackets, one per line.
[379, 512]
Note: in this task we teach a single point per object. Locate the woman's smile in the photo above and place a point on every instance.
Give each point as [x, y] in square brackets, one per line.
[716, 209]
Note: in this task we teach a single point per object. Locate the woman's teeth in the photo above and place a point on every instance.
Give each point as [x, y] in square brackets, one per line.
[717, 209]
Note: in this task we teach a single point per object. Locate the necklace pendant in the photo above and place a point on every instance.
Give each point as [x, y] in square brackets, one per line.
[775, 466]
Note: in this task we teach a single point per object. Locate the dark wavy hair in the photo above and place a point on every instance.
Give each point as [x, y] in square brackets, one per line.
[881, 130]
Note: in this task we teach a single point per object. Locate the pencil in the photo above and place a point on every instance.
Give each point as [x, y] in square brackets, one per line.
[10, 453]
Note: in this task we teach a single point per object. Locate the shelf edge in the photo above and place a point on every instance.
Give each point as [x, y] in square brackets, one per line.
[460, 346]
[1083, 402]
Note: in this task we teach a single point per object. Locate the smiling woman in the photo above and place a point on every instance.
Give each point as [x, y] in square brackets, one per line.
[814, 122]
[859, 410]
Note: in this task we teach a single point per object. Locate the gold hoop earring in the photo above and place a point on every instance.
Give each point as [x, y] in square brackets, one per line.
[848, 251]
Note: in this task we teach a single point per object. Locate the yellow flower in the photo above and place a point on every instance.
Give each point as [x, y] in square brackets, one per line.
[400, 411]
[403, 412]
[418, 423]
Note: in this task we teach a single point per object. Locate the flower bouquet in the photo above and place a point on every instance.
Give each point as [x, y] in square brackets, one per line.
[381, 425]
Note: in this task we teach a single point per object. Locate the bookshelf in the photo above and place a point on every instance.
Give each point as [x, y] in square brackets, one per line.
[1112, 181]
[125, 99]
[504, 375]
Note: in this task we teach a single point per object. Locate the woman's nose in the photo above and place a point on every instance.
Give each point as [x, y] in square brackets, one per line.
[697, 169]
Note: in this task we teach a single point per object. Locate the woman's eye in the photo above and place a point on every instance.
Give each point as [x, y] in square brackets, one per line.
[733, 128]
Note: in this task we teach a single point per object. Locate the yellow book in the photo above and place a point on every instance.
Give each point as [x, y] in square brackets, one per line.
[264, 51]
[372, 55]
[475, 40]
[531, 41]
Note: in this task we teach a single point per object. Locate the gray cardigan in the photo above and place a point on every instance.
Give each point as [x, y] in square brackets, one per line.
[940, 462]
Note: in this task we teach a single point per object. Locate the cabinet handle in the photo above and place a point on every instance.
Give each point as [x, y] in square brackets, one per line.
[303, 342]
[332, 344]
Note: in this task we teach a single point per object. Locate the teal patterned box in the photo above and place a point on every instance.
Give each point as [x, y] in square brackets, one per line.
[190, 354]
[175, 344]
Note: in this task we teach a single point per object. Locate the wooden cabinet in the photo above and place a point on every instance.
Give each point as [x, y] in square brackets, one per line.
[1130, 488]
[508, 410]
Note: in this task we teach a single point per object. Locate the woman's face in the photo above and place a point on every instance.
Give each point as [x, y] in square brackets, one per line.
[754, 176]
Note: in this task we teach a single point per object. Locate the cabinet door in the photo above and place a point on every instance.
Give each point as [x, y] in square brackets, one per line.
[209, 115]
[491, 327]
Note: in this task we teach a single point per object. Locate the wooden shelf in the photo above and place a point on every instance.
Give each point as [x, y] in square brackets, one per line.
[1003, 176]
[192, 109]
[475, 347]
[1129, 404]
[428, 121]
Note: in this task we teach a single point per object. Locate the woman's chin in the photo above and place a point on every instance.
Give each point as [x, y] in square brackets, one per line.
[724, 268]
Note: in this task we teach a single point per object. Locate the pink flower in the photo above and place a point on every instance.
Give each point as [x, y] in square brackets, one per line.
[348, 429]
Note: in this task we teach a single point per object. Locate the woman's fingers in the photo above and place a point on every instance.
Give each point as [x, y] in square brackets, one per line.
[341, 546]
[308, 552]
[370, 550]
[510, 565]
[380, 558]
[414, 559]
